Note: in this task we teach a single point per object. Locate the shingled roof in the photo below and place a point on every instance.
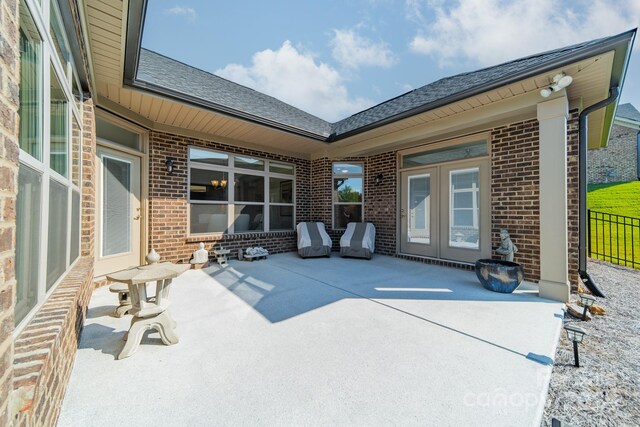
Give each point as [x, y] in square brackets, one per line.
[209, 90]
[628, 111]
[184, 79]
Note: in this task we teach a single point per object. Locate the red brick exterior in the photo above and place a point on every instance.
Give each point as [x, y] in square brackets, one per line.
[618, 161]
[573, 198]
[168, 220]
[515, 191]
[515, 194]
[46, 348]
[9, 80]
[379, 200]
[88, 235]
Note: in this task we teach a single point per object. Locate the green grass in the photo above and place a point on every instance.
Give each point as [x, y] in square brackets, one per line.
[618, 199]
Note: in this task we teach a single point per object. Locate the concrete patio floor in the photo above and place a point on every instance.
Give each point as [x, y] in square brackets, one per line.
[336, 341]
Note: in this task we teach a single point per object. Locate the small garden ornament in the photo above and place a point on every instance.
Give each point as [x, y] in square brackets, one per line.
[507, 249]
[200, 257]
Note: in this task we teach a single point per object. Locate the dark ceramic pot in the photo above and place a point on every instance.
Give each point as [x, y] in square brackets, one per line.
[498, 275]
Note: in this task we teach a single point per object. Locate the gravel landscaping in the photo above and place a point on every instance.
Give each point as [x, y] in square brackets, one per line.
[605, 390]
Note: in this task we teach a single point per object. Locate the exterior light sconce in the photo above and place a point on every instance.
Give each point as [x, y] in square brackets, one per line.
[379, 179]
[560, 81]
[169, 163]
[575, 335]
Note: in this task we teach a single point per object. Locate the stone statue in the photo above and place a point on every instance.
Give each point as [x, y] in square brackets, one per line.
[201, 255]
[507, 249]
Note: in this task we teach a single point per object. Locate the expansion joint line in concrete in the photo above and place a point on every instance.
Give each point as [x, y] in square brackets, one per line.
[433, 322]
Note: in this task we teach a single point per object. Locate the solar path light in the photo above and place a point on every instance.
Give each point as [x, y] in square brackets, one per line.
[587, 301]
[576, 335]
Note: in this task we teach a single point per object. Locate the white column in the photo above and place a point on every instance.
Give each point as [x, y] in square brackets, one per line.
[554, 270]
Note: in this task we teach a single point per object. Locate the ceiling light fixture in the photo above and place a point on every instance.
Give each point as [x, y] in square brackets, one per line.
[560, 81]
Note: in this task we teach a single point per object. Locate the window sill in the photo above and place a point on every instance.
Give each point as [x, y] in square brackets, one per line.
[194, 238]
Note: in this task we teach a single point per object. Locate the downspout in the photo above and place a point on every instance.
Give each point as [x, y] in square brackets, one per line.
[582, 191]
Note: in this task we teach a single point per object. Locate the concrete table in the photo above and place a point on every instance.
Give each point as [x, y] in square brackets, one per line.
[149, 313]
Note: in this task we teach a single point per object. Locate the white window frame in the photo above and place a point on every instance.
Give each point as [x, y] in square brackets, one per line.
[334, 201]
[231, 170]
[40, 14]
[475, 200]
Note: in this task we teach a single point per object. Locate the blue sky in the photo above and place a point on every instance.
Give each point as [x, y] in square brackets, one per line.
[334, 58]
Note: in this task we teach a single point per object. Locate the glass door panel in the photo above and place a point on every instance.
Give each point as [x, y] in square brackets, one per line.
[465, 215]
[418, 212]
[419, 209]
[118, 211]
[116, 206]
[464, 209]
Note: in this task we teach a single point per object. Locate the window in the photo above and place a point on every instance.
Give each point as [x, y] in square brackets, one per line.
[446, 154]
[465, 210]
[239, 194]
[48, 207]
[30, 86]
[348, 198]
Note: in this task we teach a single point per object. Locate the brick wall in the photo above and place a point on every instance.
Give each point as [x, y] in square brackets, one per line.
[618, 161]
[573, 197]
[168, 220]
[46, 348]
[9, 99]
[88, 180]
[515, 191]
[379, 200]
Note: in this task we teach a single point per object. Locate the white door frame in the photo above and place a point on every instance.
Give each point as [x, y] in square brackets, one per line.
[110, 263]
[440, 230]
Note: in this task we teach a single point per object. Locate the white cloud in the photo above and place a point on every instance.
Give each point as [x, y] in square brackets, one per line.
[353, 51]
[295, 78]
[488, 32]
[187, 12]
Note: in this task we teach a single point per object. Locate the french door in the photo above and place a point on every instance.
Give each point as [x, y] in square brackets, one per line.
[118, 214]
[445, 211]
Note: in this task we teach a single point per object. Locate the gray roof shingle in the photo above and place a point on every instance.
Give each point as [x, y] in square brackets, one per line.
[216, 92]
[176, 76]
[450, 86]
[628, 111]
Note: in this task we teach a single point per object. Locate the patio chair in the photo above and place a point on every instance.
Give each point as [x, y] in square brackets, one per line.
[358, 240]
[313, 240]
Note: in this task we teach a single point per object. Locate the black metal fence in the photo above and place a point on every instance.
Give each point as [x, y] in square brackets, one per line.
[614, 238]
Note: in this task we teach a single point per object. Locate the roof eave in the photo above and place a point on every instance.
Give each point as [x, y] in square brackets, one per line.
[623, 40]
[181, 97]
[618, 74]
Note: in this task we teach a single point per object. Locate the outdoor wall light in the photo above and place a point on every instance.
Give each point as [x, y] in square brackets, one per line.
[587, 301]
[560, 81]
[169, 164]
[576, 335]
[379, 179]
